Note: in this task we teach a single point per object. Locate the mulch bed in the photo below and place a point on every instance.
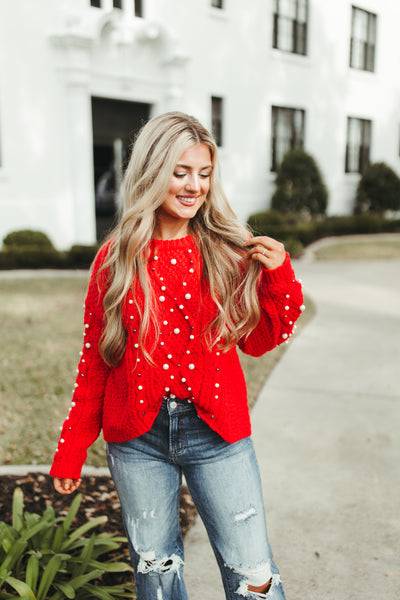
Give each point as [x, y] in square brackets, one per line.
[99, 498]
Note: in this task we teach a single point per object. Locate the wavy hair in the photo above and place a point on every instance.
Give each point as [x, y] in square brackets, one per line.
[220, 236]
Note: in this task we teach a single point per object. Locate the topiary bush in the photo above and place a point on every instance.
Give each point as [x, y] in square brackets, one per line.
[299, 185]
[27, 237]
[378, 190]
[45, 558]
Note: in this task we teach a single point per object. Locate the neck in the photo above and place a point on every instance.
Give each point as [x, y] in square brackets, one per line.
[171, 231]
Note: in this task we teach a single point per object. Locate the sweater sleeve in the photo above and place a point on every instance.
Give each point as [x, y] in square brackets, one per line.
[281, 303]
[83, 423]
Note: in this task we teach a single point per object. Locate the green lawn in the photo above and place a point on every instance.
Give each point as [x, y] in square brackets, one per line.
[41, 334]
[360, 248]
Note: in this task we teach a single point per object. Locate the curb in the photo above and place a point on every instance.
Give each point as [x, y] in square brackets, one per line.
[26, 469]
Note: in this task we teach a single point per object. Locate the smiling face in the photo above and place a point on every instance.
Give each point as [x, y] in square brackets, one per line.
[188, 190]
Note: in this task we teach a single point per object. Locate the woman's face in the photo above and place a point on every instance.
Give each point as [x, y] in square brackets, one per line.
[188, 188]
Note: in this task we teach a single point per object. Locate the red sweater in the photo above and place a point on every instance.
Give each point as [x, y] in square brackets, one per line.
[125, 400]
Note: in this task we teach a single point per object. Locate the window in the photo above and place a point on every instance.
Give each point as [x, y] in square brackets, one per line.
[287, 132]
[216, 119]
[95, 3]
[363, 40]
[290, 26]
[138, 8]
[217, 3]
[117, 3]
[358, 144]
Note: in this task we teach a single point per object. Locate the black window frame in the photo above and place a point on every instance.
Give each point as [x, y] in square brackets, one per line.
[117, 4]
[217, 4]
[362, 150]
[95, 3]
[217, 119]
[364, 60]
[138, 8]
[295, 138]
[298, 28]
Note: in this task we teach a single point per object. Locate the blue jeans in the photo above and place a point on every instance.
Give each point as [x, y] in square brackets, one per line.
[224, 482]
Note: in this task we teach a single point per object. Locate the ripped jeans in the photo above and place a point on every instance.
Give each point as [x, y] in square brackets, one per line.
[224, 482]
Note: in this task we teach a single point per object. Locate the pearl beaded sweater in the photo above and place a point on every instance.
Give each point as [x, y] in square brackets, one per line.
[125, 400]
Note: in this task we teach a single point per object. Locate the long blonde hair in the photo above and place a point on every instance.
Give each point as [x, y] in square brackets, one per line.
[220, 236]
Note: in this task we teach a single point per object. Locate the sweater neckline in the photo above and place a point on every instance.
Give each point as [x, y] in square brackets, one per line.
[175, 243]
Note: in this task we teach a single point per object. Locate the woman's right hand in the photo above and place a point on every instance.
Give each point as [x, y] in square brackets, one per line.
[66, 486]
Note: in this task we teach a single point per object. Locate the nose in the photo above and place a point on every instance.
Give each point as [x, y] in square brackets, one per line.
[193, 183]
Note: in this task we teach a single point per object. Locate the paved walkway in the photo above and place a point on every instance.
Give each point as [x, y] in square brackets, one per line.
[326, 429]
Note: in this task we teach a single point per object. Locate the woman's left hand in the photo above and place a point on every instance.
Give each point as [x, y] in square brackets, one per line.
[270, 253]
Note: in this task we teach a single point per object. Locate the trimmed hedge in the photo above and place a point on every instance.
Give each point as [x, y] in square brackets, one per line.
[28, 249]
[295, 233]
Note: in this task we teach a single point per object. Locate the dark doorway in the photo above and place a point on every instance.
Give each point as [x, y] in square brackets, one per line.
[115, 123]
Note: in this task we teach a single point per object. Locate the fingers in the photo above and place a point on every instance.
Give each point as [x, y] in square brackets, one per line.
[267, 251]
[66, 486]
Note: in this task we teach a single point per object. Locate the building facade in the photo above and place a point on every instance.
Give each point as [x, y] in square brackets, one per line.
[79, 77]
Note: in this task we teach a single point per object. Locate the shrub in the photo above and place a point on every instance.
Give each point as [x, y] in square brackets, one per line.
[27, 237]
[43, 557]
[31, 257]
[299, 185]
[81, 257]
[378, 190]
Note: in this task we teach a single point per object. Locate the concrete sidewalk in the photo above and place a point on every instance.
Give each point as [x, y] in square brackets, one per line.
[326, 430]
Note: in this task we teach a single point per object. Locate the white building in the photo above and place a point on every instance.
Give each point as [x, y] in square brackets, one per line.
[78, 77]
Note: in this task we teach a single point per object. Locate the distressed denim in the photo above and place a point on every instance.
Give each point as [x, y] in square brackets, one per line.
[224, 482]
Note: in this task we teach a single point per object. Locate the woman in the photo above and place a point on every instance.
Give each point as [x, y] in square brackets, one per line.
[178, 285]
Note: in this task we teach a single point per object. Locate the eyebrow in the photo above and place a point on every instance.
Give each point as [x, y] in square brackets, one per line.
[189, 168]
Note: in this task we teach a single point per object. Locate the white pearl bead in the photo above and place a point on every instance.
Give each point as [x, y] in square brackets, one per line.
[191, 366]
[162, 298]
[188, 296]
[183, 379]
[165, 322]
[287, 307]
[284, 335]
[131, 301]
[165, 367]
[139, 387]
[163, 288]
[173, 261]
[191, 337]
[191, 270]
[169, 356]
[302, 307]
[87, 345]
[177, 330]
[217, 385]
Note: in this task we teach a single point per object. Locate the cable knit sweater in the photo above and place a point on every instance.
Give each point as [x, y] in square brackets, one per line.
[125, 400]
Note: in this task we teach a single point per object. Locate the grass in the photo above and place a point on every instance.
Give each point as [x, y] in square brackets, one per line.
[41, 333]
[360, 248]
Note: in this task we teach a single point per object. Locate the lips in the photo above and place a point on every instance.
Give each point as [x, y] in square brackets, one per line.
[187, 200]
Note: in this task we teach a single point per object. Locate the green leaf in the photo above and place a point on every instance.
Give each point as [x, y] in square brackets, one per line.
[98, 592]
[18, 509]
[15, 552]
[32, 571]
[80, 581]
[75, 535]
[21, 587]
[48, 576]
[111, 567]
[66, 589]
[72, 512]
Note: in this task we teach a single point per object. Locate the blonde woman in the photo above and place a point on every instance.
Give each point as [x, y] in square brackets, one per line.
[179, 284]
